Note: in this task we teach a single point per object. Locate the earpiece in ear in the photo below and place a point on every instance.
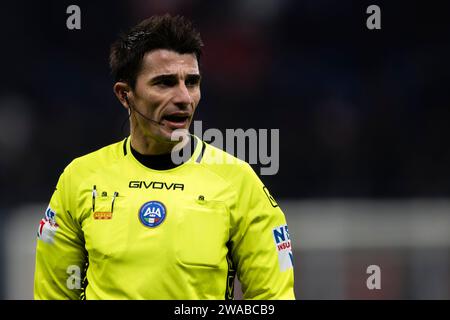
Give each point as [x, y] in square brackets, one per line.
[125, 97]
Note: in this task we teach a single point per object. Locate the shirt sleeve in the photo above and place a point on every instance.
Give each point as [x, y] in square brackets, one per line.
[261, 247]
[60, 253]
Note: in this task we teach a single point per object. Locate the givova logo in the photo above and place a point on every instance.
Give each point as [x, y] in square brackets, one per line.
[284, 248]
[152, 214]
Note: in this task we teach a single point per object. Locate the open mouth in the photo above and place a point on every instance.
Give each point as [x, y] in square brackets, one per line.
[176, 120]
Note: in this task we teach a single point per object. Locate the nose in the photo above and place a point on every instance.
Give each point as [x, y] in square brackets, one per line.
[182, 96]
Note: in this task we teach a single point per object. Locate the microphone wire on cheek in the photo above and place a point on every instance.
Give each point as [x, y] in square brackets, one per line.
[133, 109]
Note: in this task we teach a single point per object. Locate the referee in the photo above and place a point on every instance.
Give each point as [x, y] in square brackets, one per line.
[129, 222]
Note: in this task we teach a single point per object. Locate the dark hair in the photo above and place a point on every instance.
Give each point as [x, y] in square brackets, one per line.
[157, 32]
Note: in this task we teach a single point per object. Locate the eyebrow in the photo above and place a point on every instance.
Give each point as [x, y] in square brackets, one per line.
[174, 77]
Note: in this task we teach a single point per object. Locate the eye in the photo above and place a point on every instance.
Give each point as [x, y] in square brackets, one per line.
[192, 81]
[166, 82]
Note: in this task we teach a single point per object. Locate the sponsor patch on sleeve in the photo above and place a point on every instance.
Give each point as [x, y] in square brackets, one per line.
[284, 248]
[48, 226]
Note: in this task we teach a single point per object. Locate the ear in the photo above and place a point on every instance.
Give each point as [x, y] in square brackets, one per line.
[122, 90]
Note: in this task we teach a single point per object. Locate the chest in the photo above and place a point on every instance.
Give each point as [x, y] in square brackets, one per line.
[171, 221]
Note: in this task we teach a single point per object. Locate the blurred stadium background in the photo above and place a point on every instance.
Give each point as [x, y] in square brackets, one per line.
[363, 116]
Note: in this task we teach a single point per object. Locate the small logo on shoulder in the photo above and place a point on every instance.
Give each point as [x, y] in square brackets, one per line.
[271, 199]
[152, 214]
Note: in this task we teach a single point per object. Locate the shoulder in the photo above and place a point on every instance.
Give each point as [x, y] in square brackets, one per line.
[226, 165]
[95, 160]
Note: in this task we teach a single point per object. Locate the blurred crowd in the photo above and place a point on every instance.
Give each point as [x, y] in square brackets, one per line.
[361, 113]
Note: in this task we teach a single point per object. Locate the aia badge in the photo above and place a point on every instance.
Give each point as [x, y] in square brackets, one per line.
[152, 214]
[48, 226]
[284, 248]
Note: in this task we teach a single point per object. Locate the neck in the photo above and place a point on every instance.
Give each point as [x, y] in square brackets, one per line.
[150, 147]
[165, 161]
[147, 144]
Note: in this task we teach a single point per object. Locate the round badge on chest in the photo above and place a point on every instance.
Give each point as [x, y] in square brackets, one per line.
[152, 214]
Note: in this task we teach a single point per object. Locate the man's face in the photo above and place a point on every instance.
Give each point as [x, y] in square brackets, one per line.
[167, 90]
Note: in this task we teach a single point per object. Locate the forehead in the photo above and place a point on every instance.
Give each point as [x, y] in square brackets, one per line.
[162, 61]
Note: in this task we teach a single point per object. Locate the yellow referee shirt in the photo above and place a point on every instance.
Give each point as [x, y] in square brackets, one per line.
[116, 229]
